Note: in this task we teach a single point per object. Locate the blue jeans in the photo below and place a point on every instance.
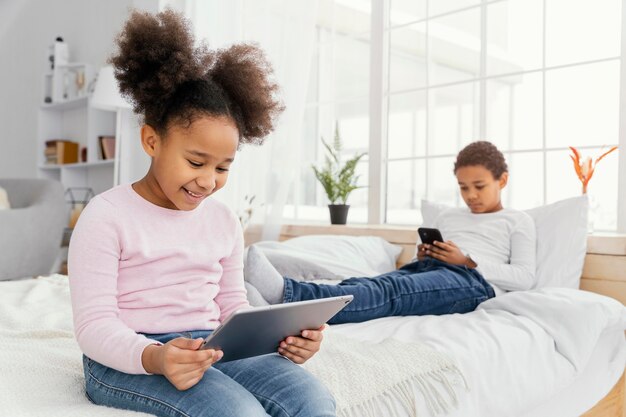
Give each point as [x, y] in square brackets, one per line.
[418, 288]
[260, 386]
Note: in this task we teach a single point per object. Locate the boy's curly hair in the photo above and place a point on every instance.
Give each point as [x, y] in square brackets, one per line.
[168, 80]
[482, 153]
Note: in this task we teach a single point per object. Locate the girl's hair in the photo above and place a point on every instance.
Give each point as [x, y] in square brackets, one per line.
[482, 153]
[168, 80]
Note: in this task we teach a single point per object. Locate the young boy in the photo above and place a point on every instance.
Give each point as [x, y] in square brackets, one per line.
[489, 250]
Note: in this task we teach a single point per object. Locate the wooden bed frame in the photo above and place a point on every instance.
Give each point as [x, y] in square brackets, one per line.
[604, 272]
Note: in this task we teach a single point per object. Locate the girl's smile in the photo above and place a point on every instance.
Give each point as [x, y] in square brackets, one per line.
[196, 196]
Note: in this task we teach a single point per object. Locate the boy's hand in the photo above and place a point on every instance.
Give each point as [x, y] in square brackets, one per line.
[180, 361]
[300, 349]
[421, 251]
[447, 252]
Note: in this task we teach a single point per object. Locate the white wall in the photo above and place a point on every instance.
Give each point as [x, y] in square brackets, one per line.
[27, 27]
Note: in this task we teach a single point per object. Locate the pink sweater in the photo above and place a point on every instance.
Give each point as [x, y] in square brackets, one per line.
[137, 267]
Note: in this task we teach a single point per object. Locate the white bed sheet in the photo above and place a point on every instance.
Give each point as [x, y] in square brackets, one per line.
[515, 364]
[604, 369]
[512, 363]
[602, 372]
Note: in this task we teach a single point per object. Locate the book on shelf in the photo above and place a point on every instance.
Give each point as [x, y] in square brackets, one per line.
[107, 146]
[61, 151]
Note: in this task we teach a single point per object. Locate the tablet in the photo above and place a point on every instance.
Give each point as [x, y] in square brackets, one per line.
[259, 331]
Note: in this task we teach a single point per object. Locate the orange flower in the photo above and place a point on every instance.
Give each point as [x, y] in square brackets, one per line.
[586, 167]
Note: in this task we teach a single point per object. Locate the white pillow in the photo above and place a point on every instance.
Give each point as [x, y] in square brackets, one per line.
[4, 200]
[561, 239]
[430, 211]
[331, 256]
[561, 242]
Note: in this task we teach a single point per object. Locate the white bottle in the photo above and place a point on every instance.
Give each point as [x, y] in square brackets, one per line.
[58, 57]
[58, 53]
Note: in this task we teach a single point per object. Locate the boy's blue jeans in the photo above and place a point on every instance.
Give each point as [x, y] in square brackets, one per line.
[263, 386]
[418, 288]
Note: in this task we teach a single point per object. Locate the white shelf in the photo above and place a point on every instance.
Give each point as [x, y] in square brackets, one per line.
[104, 162]
[77, 119]
[70, 104]
[50, 167]
[73, 65]
[79, 165]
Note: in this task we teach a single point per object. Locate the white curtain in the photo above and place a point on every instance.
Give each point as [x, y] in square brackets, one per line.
[285, 30]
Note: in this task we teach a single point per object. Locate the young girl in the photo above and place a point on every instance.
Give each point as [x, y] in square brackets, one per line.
[489, 250]
[156, 265]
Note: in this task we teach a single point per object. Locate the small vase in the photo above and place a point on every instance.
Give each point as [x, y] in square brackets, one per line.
[338, 213]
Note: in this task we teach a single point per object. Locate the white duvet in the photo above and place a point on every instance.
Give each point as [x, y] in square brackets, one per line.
[516, 351]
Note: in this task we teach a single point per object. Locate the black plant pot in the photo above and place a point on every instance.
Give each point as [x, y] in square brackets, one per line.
[338, 213]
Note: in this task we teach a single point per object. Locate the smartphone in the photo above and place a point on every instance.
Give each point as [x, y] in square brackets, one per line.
[429, 236]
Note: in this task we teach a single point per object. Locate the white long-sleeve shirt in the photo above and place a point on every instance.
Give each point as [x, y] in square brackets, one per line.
[503, 244]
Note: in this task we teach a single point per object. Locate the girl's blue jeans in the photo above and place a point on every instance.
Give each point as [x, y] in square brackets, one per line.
[264, 386]
[418, 288]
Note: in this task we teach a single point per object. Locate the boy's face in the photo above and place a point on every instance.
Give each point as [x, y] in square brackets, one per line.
[479, 189]
[192, 163]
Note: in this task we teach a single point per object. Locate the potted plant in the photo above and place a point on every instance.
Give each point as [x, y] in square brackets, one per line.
[337, 178]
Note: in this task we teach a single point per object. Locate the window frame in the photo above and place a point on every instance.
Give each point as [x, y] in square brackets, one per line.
[380, 97]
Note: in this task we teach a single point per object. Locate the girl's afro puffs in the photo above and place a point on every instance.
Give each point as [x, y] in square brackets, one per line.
[482, 153]
[167, 79]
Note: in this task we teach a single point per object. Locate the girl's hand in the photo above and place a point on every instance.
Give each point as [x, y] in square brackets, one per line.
[300, 349]
[447, 252]
[180, 361]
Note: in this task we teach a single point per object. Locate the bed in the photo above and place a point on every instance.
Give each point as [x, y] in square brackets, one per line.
[595, 390]
[566, 360]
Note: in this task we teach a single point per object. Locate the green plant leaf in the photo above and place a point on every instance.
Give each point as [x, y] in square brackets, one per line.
[337, 179]
[334, 155]
[337, 146]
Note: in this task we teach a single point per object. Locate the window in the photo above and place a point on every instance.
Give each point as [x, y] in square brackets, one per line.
[338, 93]
[532, 76]
[520, 73]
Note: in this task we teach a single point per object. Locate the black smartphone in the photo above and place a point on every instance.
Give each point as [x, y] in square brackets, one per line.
[428, 235]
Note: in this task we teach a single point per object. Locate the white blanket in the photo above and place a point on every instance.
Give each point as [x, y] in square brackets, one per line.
[516, 351]
[40, 360]
[386, 386]
[573, 319]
